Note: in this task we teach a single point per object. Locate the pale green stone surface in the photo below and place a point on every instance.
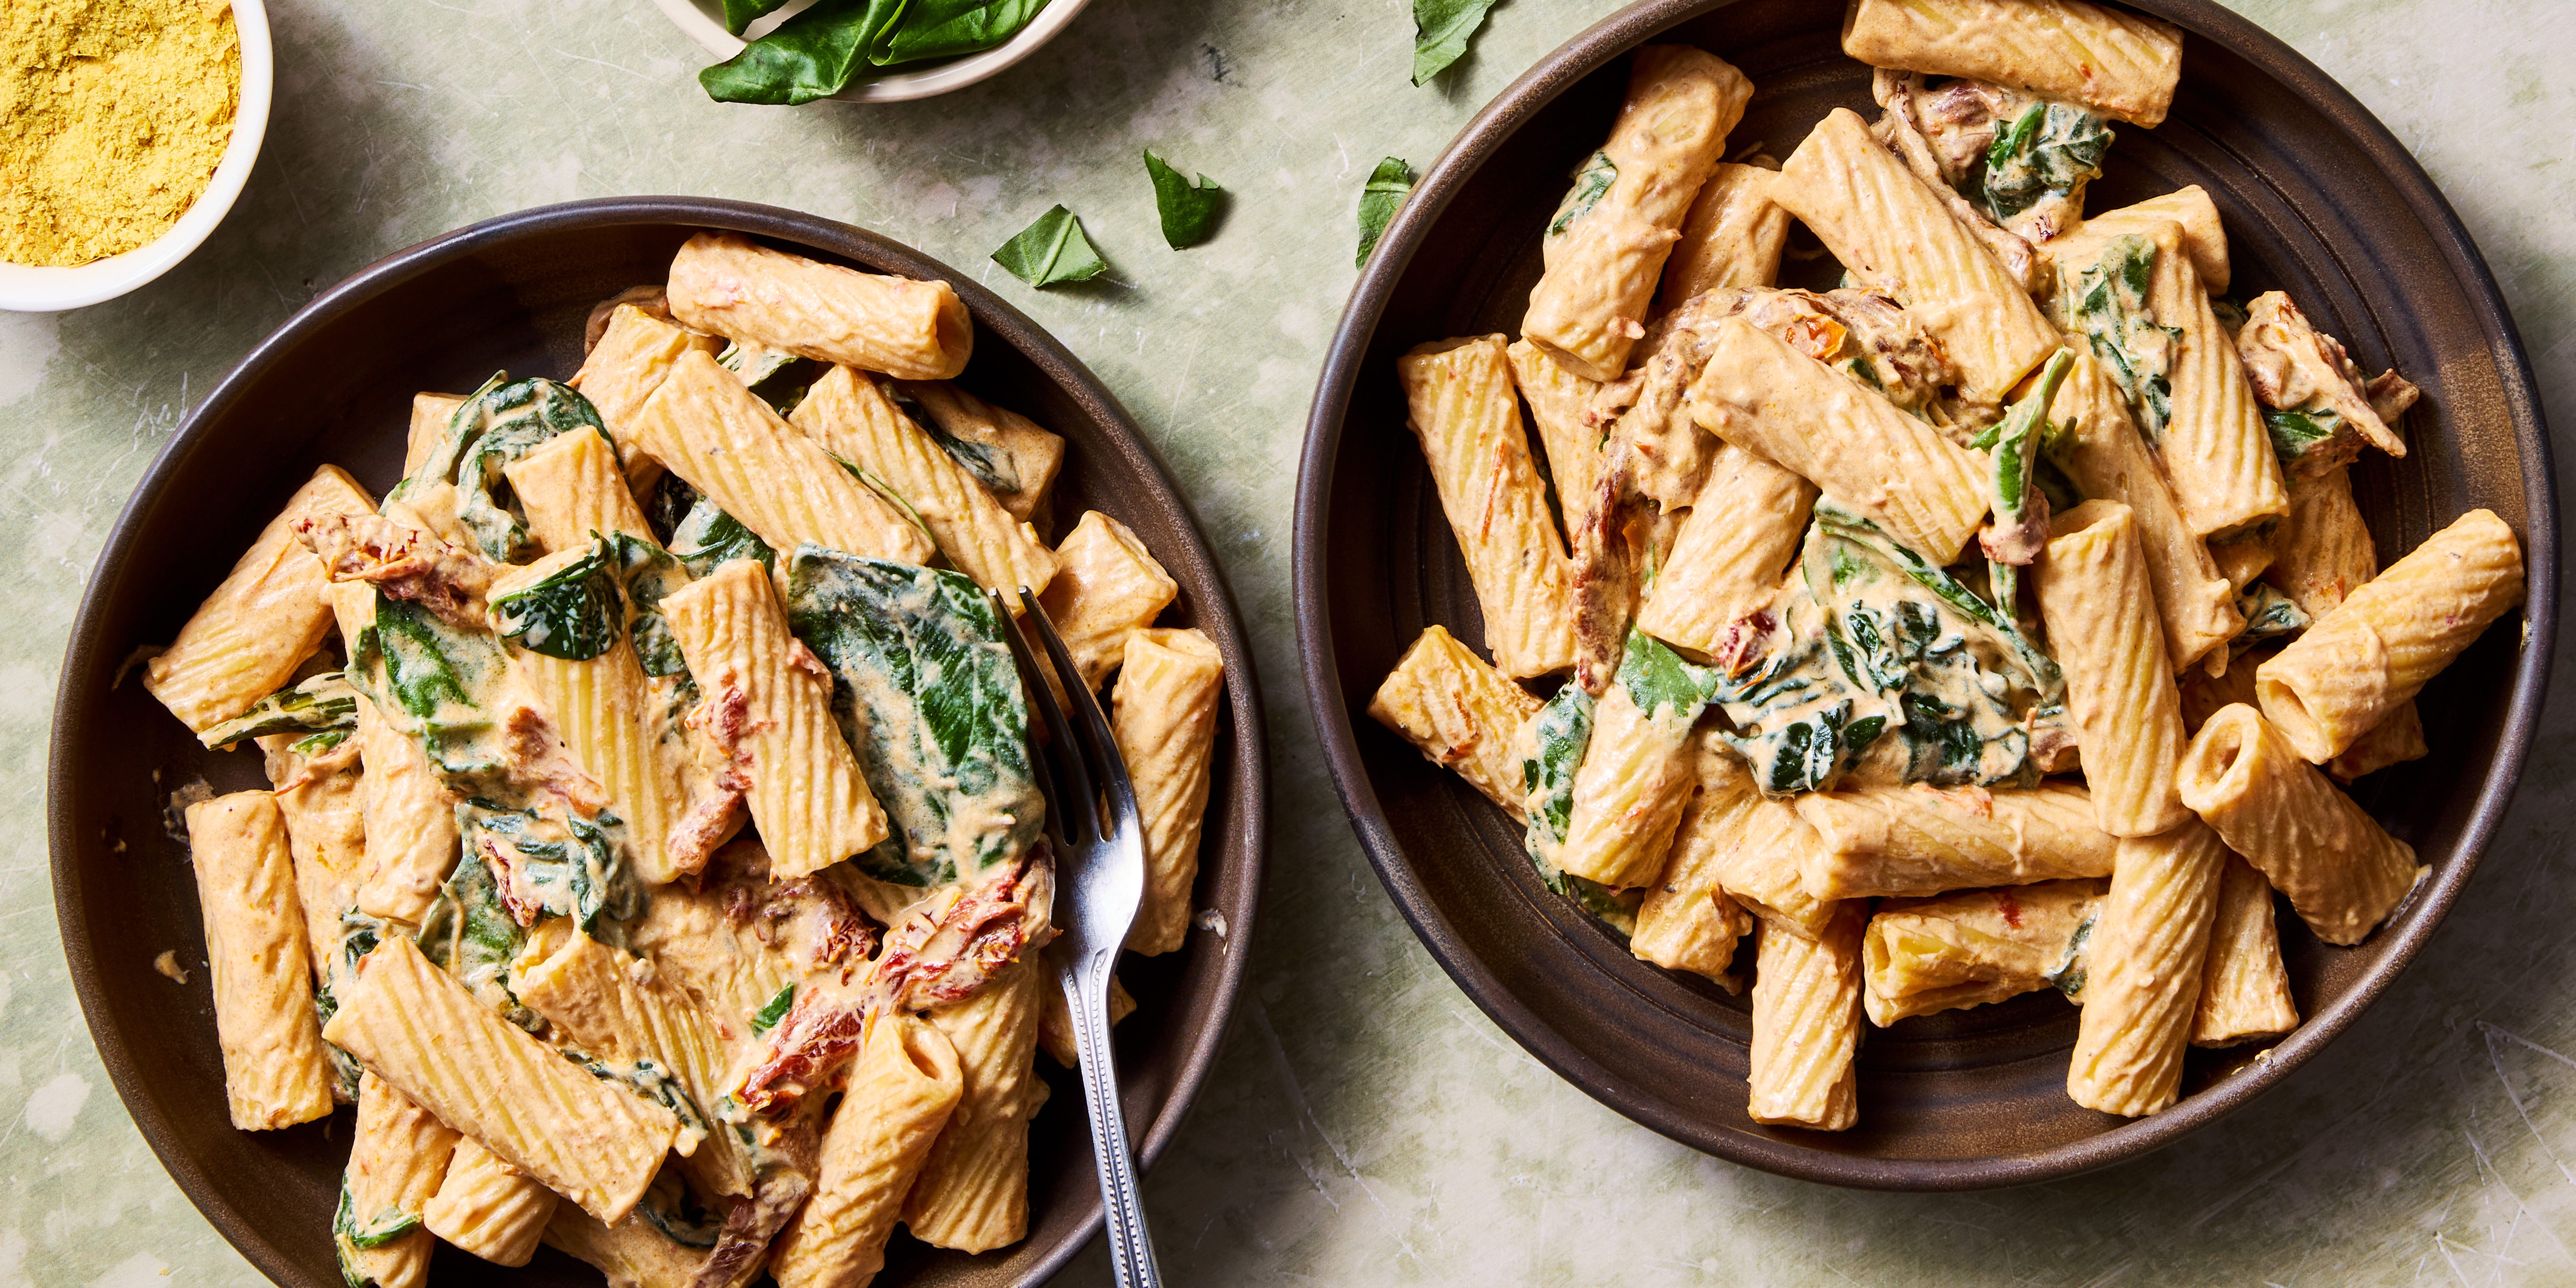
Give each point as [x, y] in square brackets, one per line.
[1365, 1124]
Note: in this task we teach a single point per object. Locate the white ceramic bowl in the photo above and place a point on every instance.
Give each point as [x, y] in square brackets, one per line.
[27, 289]
[703, 21]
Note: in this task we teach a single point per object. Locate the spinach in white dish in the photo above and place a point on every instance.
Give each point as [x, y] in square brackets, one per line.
[818, 52]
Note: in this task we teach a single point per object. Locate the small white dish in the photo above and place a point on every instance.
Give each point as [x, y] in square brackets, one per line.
[703, 21]
[25, 288]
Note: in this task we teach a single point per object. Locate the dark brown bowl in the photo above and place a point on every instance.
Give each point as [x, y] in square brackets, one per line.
[334, 384]
[2319, 200]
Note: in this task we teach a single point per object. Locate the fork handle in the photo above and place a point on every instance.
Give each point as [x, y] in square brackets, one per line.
[1086, 993]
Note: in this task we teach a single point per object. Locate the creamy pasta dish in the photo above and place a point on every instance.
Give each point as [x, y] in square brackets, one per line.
[1999, 620]
[653, 854]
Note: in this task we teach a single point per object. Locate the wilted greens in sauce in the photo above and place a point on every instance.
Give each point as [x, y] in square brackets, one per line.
[2269, 614]
[2106, 303]
[1871, 639]
[927, 693]
[708, 538]
[503, 421]
[2296, 433]
[574, 613]
[317, 704]
[1559, 735]
[1592, 181]
[2050, 150]
[470, 934]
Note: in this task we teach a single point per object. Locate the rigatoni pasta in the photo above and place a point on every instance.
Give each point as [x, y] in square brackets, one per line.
[727, 284]
[1733, 236]
[903, 1090]
[1459, 397]
[2143, 982]
[1607, 244]
[1163, 717]
[1806, 1024]
[1734, 548]
[1107, 587]
[2120, 64]
[274, 1073]
[2341, 870]
[1881, 841]
[1459, 712]
[2095, 597]
[2244, 991]
[1974, 947]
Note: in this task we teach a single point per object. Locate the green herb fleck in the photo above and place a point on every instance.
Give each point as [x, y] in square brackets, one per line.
[1189, 210]
[1051, 250]
[2051, 149]
[323, 703]
[2107, 303]
[1592, 181]
[2296, 433]
[1385, 190]
[574, 613]
[386, 1226]
[767, 1017]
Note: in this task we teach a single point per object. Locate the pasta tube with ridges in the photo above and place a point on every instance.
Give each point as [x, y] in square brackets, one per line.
[1735, 547]
[1021, 457]
[1921, 956]
[2323, 551]
[429, 416]
[1461, 408]
[903, 1089]
[1559, 401]
[769, 709]
[274, 1071]
[1607, 244]
[268, 614]
[397, 1161]
[1920, 840]
[973, 1192]
[2095, 597]
[2143, 982]
[1163, 716]
[2377, 649]
[2204, 237]
[1460, 713]
[633, 356]
[488, 1208]
[2343, 873]
[1732, 236]
[1629, 791]
[1107, 586]
[1895, 234]
[2120, 64]
[851, 416]
[416, 1027]
[913, 330]
[1806, 1024]
[2244, 991]
[571, 488]
[780, 484]
[1687, 921]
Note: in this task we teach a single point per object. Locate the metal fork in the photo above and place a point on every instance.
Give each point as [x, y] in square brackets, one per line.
[1100, 881]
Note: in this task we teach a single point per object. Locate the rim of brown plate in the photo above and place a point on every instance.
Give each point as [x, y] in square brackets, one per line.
[1235, 894]
[1477, 143]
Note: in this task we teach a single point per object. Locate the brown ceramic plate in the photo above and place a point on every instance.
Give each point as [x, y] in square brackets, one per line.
[2319, 200]
[334, 384]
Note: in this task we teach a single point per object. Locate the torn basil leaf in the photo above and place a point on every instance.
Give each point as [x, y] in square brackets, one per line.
[503, 421]
[574, 613]
[708, 538]
[2051, 149]
[2106, 303]
[739, 14]
[320, 703]
[1558, 736]
[767, 1017]
[1188, 210]
[2295, 433]
[927, 693]
[1051, 250]
[1385, 190]
[1592, 181]
[1441, 30]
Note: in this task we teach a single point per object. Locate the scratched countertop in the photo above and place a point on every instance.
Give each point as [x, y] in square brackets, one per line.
[1365, 1124]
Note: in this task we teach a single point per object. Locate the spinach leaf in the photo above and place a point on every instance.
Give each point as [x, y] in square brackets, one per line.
[669, 1207]
[810, 56]
[1656, 677]
[321, 703]
[767, 1017]
[1385, 190]
[384, 1227]
[2043, 673]
[2050, 149]
[669, 502]
[1188, 210]
[2296, 433]
[645, 573]
[992, 468]
[2069, 972]
[739, 14]
[709, 538]
[949, 28]
[2014, 443]
[504, 420]
[1441, 29]
[1561, 732]
[1592, 181]
[574, 613]
[344, 1066]
[926, 692]
[469, 932]
[2107, 305]
[754, 364]
[320, 742]
[1051, 250]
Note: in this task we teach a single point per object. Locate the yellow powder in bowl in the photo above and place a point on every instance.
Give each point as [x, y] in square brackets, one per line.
[113, 116]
